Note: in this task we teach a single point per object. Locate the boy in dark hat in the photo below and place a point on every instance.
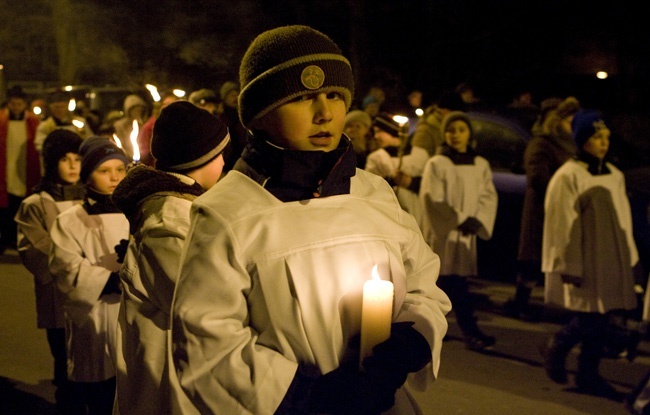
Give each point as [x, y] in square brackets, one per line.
[84, 264]
[188, 144]
[588, 253]
[268, 299]
[58, 190]
[387, 162]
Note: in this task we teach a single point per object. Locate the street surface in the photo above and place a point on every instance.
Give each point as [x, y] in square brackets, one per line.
[509, 380]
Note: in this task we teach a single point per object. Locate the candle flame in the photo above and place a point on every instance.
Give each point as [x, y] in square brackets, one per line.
[134, 141]
[153, 91]
[117, 140]
[375, 274]
[72, 104]
[78, 124]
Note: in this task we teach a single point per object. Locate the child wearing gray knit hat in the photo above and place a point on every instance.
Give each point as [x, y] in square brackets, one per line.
[278, 251]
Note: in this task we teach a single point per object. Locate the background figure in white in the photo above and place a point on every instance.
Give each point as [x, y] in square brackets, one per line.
[459, 203]
[588, 253]
[85, 266]
[387, 161]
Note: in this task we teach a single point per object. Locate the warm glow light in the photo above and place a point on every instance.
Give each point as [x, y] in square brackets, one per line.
[419, 112]
[2, 67]
[179, 93]
[134, 141]
[602, 75]
[153, 91]
[376, 313]
[78, 124]
[68, 88]
[400, 119]
[117, 140]
[37, 110]
[72, 105]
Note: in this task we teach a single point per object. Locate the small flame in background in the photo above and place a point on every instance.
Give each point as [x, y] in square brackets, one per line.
[117, 140]
[134, 141]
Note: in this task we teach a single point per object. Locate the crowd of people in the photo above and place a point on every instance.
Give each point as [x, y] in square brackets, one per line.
[217, 263]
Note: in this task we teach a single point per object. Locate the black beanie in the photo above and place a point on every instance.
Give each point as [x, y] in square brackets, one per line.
[57, 144]
[385, 122]
[585, 124]
[284, 63]
[186, 137]
[94, 151]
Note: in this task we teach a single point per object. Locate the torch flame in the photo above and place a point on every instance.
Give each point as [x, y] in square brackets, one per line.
[78, 124]
[153, 91]
[72, 105]
[134, 141]
[117, 140]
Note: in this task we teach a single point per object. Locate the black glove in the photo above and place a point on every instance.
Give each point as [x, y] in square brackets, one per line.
[405, 351]
[344, 390]
[470, 226]
[112, 285]
[120, 249]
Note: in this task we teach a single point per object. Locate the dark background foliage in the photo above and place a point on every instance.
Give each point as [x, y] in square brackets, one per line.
[499, 46]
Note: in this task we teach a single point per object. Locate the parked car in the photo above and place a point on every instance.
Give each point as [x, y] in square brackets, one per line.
[502, 142]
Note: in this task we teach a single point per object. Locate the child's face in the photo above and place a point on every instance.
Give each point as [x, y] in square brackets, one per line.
[107, 176]
[356, 130]
[69, 168]
[457, 135]
[310, 123]
[598, 144]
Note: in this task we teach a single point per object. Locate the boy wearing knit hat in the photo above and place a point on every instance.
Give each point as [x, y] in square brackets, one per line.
[588, 253]
[460, 204]
[58, 190]
[84, 264]
[188, 144]
[387, 162]
[278, 252]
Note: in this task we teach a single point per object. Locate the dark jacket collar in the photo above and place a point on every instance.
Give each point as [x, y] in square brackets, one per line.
[143, 182]
[292, 175]
[595, 165]
[456, 157]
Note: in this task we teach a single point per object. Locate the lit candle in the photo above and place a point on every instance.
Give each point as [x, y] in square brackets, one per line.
[376, 313]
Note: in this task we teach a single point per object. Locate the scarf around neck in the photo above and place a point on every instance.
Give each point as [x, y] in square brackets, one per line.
[292, 175]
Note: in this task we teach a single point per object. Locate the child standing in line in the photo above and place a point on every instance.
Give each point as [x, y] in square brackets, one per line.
[459, 203]
[588, 253]
[268, 298]
[188, 144]
[58, 190]
[386, 161]
[85, 267]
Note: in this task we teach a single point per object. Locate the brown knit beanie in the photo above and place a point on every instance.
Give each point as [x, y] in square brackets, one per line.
[287, 62]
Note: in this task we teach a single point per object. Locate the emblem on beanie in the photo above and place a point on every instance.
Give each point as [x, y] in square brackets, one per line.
[312, 77]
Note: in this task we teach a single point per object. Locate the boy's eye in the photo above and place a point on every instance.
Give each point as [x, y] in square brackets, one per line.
[334, 95]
